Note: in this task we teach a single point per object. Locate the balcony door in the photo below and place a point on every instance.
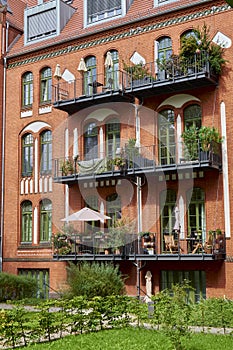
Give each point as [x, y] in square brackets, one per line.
[167, 218]
[112, 138]
[90, 76]
[167, 146]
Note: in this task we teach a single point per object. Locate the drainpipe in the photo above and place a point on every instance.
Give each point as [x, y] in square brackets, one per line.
[3, 161]
[3, 144]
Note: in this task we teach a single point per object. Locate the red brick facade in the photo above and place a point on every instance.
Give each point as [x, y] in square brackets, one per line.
[136, 32]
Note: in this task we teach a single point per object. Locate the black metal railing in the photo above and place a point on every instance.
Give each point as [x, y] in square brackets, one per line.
[139, 76]
[135, 245]
[140, 158]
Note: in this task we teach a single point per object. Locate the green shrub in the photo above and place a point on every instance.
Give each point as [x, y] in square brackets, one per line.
[93, 279]
[13, 287]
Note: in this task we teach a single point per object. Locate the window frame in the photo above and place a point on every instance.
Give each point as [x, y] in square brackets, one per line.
[167, 140]
[46, 152]
[114, 143]
[46, 85]
[26, 222]
[45, 220]
[91, 141]
[199, 216]
[27, 152]
[27, 89]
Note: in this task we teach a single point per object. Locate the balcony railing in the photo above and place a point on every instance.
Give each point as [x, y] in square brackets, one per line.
[142, 159]
[133, 246]
[154, 78]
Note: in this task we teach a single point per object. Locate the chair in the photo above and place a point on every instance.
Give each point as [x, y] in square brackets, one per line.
[170, 244]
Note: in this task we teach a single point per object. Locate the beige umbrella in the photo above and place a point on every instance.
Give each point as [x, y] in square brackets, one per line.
[86, 214]
[57, 73]
[108, 61]
[82, 66]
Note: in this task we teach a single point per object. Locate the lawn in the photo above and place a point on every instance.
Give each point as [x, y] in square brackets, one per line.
[133, 339]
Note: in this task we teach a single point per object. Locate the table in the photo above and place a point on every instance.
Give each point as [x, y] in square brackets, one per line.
[95, 85]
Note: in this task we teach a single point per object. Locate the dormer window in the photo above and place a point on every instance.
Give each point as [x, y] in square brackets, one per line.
[46, 19]
[102, 10]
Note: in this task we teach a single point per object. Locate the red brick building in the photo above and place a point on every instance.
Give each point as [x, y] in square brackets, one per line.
[108, 105]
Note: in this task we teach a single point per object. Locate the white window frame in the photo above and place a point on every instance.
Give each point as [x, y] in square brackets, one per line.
[162, 2]
[105, 19]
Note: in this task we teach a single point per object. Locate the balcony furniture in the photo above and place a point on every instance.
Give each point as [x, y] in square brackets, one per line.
[109, 85]
[170, 244]
[95, 84]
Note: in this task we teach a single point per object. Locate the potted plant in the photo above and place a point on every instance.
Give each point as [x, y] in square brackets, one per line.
[61, 243]
[138, 73]
[67, 167]
[209, 138]
[190, 138]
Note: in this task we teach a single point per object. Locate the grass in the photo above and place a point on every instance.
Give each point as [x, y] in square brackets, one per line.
[135, 338]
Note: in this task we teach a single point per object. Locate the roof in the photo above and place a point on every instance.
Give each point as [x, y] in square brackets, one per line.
[15, 13]
[74, 29]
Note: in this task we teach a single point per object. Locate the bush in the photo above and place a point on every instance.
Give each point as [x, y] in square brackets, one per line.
[93, 279]
[13, 287]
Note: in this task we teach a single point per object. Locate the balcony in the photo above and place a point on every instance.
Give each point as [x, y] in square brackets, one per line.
[133, 247]
[139, 81]
[142, 160]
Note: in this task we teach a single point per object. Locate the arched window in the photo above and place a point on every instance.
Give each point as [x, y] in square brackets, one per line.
[90, 76]
[46, 152]
[91, 141]
[46, 85]
[27, 89]
[26, 222]
[192, 117]
[113, 207]
[112, 70]
[167, 146]
[27, 155]
[196, 211]
[45, 220]
[113, 137]
[164, 48]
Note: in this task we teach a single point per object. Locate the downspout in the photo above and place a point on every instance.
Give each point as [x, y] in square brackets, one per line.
[3, 150]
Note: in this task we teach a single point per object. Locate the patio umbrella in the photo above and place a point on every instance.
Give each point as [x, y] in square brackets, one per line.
[57, 73]
[177, 218]
[82, 66]
[86, 214]
[108, 61]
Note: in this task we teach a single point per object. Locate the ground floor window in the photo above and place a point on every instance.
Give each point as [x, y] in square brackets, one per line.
[197, 280]
[42, 278]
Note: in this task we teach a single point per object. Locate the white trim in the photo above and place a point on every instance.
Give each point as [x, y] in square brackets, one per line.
[225, 172]
[75, 147]
[35, 226]
[178, 136]
[36, 166]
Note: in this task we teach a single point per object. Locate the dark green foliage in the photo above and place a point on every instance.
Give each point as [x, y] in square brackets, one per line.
[93, 279]
[13, 287]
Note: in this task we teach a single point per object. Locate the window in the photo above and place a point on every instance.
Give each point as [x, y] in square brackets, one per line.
[92, 203]
[163, 2]
[112, 70]
[46, 152]
[192, 117]
[45, 220]
[42, 278]
[113, 207]
[164, 48]
[46, 85]
[27, 155]
[112, 137]
[197, 280]
[167, 146]
[100, 10]
[27, 89]
[167, 206]
[26, 222]
[91, 141]
[196, 211]
[90, 76]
